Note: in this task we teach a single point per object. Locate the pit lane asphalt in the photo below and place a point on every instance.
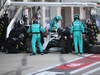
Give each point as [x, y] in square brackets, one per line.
[22, 63]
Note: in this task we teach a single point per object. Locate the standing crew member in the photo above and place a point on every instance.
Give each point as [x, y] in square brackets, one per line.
[76, 30]
[53, 24]
[36, 37]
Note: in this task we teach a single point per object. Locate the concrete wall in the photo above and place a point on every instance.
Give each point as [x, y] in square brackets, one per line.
[53, 12]
[67, 16]
[76, 10]
[87, 13]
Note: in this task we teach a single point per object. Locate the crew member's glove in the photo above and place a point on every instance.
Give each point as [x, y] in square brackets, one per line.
[71, 36]
[83, 35]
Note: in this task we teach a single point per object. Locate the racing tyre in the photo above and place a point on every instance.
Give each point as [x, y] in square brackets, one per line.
[94, 49]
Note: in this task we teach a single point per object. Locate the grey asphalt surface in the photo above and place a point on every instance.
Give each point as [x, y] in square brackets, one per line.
[23, 63]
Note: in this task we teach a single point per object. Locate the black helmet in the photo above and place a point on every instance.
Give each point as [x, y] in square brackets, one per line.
[20, 22]
[25, 17]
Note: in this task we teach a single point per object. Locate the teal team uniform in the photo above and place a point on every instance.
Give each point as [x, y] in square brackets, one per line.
[77, 29]
[36, 36]
[53, 24]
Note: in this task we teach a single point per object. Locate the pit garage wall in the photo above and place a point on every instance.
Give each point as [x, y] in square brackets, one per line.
[68, 14]
[66, 17]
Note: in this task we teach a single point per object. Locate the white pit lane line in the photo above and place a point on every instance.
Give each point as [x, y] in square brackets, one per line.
[78, 70]
[92, 71]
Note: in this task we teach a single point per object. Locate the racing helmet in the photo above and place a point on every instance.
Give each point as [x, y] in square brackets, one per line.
[76, 16]
[25, 17]
[20, 22]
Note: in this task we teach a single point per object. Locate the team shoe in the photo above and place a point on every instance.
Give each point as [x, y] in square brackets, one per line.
[32, 54]
[81, 53]
[76, 53]
[42, 53]
[73, 52]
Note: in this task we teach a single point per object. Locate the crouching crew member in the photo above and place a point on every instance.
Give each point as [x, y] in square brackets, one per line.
[36, 36]
[76, 30]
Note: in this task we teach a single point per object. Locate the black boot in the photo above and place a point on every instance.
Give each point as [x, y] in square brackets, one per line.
[32, 54]
[42, 53]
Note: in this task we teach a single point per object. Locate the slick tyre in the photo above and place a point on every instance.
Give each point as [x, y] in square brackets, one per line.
[94, 49]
